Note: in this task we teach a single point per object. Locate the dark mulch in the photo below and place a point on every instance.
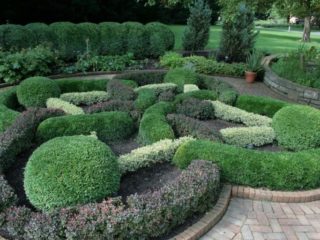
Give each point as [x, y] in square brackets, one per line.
[271, 148]
[124, 146]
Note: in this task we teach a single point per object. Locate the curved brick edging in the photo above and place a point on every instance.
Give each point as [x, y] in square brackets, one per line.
[275, 196]
[289, 89]
[211, 218]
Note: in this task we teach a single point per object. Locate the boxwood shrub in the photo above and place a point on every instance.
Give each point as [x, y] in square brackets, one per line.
[297, 127]
[84, 170]
[201, 95]
[15, 37]
[67, 107]
[113, 36]
[41, 34]
[82, 85]
[145, 99]
[8, 104]
[89, 37]
[109, 126]
[119, 91]
[274, 170]
[34, 91]
[143, 77]
[112, 105]
[196, 108]
[260, 105]
[85, 98]
[181, 76]
[154, 126]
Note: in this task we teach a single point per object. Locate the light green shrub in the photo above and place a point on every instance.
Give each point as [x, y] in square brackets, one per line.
[158, 152]
[65, 106]
[190, 88]
[85, 98]
[158, 88]
[245, 136]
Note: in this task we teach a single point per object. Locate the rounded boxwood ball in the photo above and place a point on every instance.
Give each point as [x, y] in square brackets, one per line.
[297, 127]
[34, 91]
[67, 171]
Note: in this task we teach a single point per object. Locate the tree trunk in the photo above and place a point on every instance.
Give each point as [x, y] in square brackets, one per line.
[306, 29]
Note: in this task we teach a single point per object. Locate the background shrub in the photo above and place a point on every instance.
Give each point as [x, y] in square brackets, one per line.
[7, 196]
[143, 77]
[42, 34]
[146, 98]
[297, 127]
[84, 170]
[196, 108]
[34, 91]
[277, 171]
[112, 38]
[89, 38]
[85, 98]
[119, 91]
[65, 106]
[15, 37]
[109, 126]
[82, 85]
[260, 105]
[181, 76]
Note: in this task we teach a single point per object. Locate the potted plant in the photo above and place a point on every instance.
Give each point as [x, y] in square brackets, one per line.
[253, 66]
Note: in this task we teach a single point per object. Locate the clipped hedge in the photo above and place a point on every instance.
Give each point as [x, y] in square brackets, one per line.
[190, 88]
[159, 88]
[120, 91]
[297, 127]
[112, 105]
[260, 105]
[65, 106]
[84, 163]
[89, 37]
[158, 152]
[15, 37]
[8, 102]
[112, 38]
[109, 126]
[143, 77]
[85, 98]
[34, 91]
[196, 108]
[82, 85]
[146, 98]
[41, 34]
[201, 95]
[277, 171]
[180, 77]
[154, 126]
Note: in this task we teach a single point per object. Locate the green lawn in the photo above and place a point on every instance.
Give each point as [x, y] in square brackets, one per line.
[270, 40]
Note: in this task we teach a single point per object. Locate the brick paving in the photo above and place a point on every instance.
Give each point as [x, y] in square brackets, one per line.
[254, 220]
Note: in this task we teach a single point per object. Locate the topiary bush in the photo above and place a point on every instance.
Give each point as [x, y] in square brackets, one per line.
[67, 107]
[181, 76]
[41, 34]
[260, 105]
[297, 127]
[85, 98]
[112, 105]
[15, 37]
[196, 108]
[113, 36]
[34, 91]
[119, 91]
[146, 98]
[82, 85]
[89, 38]
[67, 171]
[109, 126]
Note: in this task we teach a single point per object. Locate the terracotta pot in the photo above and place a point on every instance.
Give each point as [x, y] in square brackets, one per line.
[251, 77]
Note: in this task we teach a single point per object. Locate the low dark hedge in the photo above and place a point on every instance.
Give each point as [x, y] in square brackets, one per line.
[83, 162]
[19, 136]
[15, 37]
[193, 192]
[274, 170]
[145, 99]
[154, 126]
[113, 36]
[82, 85]
[186, 126]
[196, 108]
[143, 78]
[181, 76]
[119, 91]
[109, 126]
[260, 105]
[201, 95]
[297, 127]
[109, 106]
[34, 91]
[8, 197]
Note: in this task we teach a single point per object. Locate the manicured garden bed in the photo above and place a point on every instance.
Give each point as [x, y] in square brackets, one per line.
[115, 158]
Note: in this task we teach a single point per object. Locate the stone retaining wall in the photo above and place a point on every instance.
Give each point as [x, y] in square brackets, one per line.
[289, 89]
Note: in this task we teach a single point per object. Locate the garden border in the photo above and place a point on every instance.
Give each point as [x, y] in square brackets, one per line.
[289, 89]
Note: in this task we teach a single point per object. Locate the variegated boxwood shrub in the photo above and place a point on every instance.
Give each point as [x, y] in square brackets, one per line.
[67, 107]
[85, 98]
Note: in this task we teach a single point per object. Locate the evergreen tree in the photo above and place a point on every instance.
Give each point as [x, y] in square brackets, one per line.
[197, 33]
[238, 35]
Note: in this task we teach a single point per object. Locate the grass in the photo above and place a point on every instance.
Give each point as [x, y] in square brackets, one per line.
[274, 40]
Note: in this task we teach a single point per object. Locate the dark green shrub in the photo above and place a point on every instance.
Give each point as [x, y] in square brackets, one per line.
[9, 98]
[109, 126]
[67, 171]
[113, 36]
[119, 91]
[34, 92]
[297, 127]
[8, 197]
[145, 99]
[90, 37]
[82, 85]
[197, 33]
[7, 117]
[260, 105]
[137, 39]
[41, 34]
[181, 76]
[238, 36]
[228, 97]
[143, 78]
[154, 126]
[129, 83]
[201, 94]
[69, 41]
[278, 171]
[196, 108]
[109, 106]
[15, 37]
[26, 63]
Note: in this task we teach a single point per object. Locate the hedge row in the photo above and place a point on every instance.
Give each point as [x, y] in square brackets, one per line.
[8, 102]
[151, 40]
[193, 192]
[82, 85]
[277, 171]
